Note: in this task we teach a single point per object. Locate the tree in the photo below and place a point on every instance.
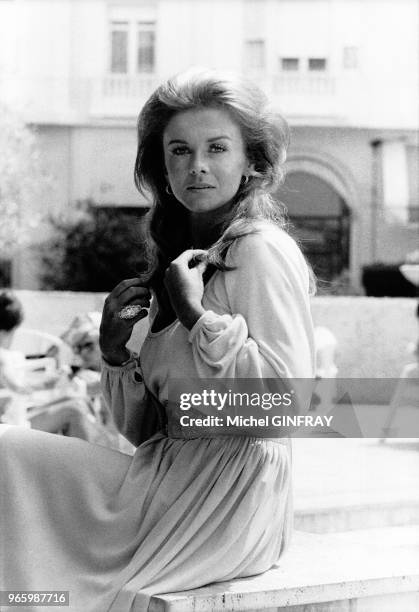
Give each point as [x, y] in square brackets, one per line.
[22, 181]
[93, 249]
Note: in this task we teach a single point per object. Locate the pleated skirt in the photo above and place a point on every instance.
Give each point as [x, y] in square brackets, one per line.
[114, 529]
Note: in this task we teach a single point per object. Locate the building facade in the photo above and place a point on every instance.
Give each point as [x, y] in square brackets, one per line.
[344, 73]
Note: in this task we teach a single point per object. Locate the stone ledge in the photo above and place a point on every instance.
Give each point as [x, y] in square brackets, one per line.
[355, 565]
[382, 327]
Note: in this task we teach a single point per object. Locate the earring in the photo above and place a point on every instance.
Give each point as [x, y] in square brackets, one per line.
[168, 190]
[245, 180]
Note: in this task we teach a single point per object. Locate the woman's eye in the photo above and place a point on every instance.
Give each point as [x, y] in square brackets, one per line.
[217, 148]
[180, 150]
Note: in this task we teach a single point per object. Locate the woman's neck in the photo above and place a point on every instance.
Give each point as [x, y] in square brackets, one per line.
[205, 228]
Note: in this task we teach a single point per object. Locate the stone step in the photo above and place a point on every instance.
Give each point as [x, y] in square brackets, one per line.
[350, 484]
[350, 517]
[371, 570]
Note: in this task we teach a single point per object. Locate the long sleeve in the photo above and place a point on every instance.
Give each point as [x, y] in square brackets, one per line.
[267, 331]
[136, 412]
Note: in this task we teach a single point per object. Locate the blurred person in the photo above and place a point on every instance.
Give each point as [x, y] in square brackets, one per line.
[12, 363]
[406, 393]
[78, 390]
[83, 338]
[17, 393]
[229, 291]
[15, 386]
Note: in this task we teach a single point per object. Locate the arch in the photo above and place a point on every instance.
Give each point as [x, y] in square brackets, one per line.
[340, 178]
[307, 194]
[330, 170]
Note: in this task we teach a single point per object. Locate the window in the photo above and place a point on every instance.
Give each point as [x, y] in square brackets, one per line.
[290, 63]
[317, 63]
[119, 48]
[145, 47]
[350, 58]
[5, 272]
[412, 155]
[132, 47]
[255, 54]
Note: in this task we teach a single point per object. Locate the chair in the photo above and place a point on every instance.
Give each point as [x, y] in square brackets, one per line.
[405, 396]
[326, 344]
[42, 351]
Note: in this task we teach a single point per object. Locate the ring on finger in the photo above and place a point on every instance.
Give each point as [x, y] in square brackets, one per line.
[130, 312]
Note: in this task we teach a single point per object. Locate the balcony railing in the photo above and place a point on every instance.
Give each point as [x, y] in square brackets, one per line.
[52, 98]
[306, 84]
[129, 88]
[300, 97]
[293, 94]
[297, 84]
[135, 87]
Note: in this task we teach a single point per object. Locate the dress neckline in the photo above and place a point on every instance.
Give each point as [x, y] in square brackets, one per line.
[152, 334]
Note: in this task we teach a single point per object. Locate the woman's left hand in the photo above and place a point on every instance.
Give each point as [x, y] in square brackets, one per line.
[185, 286]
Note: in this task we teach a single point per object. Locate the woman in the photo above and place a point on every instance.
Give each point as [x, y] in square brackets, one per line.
[75, 406]
[229, 298]
[18, 401]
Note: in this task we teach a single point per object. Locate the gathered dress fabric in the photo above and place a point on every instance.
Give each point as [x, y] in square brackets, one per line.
[114, 529]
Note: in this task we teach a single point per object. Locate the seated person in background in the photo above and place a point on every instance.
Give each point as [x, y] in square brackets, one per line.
[14, 385]
[12, 363]
[83, 338]
[407, 389]
[66, 414]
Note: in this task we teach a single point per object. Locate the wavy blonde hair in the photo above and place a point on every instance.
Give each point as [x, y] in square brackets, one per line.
[266, 138]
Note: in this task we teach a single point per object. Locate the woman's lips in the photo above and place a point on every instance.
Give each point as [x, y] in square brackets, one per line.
[199, 187]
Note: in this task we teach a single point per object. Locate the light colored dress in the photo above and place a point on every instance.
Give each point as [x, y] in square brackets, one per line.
[180, 513]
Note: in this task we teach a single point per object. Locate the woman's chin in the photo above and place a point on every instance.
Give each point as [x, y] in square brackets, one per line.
[202, 207]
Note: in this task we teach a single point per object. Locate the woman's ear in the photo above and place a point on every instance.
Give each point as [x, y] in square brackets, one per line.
[251, 169]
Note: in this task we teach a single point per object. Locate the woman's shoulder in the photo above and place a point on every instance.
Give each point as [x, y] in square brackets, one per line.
[265, 239]
[267, 255]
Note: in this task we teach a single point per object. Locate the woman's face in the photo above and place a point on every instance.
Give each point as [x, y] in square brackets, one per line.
[89, 352]
[205, 158]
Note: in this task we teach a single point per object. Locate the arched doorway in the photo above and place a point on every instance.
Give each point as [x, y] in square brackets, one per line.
[320, 219]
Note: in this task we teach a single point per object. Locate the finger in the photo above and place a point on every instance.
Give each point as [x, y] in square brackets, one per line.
[144, 302]
[127, 284]
[202, 266]
[132, 313]
[191, 254]
[141, 315]
[113, 304]
[133, 293]
[198, 260]
[198, 251]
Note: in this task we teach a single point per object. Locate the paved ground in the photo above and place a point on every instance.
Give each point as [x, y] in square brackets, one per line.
[351, 472]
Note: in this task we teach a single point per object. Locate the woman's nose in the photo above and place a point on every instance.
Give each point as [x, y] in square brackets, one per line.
[198, 165]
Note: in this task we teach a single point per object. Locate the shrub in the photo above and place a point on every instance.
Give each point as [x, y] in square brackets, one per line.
[93, 250]
[386, 280]
[23, 186]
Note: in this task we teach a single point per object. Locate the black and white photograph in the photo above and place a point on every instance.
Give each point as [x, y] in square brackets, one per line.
[209, 305]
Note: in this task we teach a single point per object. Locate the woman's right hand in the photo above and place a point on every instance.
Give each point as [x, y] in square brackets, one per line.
[114, 331]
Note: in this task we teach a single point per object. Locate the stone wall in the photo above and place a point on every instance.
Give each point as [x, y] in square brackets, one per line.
[372, 334]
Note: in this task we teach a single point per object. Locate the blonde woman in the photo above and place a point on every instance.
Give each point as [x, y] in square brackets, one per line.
[227, 293]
